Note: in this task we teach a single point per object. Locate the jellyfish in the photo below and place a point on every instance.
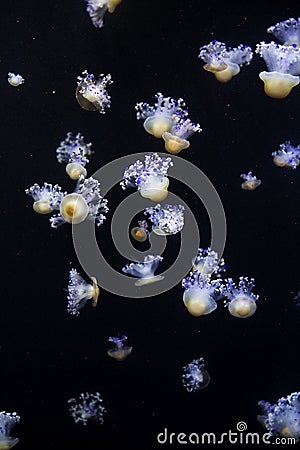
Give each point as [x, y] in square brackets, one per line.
[145, 270]
[250, 181]
[287, 32]
[297, 299]
[141, 232]
[167, 219]
[287, 155]
[7, 422]
[176, 138]
[283, 63]
[241, 302]
[207, 262]
[79, 292]
[201, 293]
[47, 198]
[87, 407]
[119, 350]
[195, 376]
[224, 62]
[73, 151]
[15, 79]
[91, 93]
[160, 117]
[282, 418]
[149, 177]
[97, 8]
[84, 203]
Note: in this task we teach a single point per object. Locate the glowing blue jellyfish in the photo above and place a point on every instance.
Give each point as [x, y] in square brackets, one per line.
[119, 350]
[287, 155]
[195, 375]
[47, 198]
[97, 8]
[79, 292]
[167, 219]
[15, 79]
[88, 407]
[224, 62]
[141, 232]
[241, 301]
[287, 32]
[283, 63]
[73, 152]
[282, 418]
[176, 138]
[91, 92]
[7, 422]
[297, 299]
[145, 270]
[251, 182]
[84, 203]
[207, 262]
[160, 117]
[149, 177]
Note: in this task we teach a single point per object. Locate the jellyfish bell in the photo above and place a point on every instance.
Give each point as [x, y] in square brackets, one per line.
[42, 207]
[174, 144]
[112, 4]
[119, 353]
[155, 188]
[95, 292]
[198, 302]
[242, 306]
[148, 280]
[139, 234]
[86, 100]
[73, 208]
[158, 124]
[74, 170]
[224, 71]
[278, 85]
[250, 185]
[8, 442]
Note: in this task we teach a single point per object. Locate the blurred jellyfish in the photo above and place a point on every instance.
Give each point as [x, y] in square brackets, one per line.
[84, 203]
[241, 301]
[224, 62]
[15, 79]
[195, 375]
[149, 177]
[145, 270]
[207, 262]
[91, 93]
[287, 155]
[282, 418]
[250, 181]
[141, 232]
[160, 117]
[297, 299]
[7, 422]
[47, 198]
[176, 138]
[119, 350]
[87, 407]
[79, 292]
[73, 152]
[287, 32]
[167, 219]
[97, 8]
[283, 63]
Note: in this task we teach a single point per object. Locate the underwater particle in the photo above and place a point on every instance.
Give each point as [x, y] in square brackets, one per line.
[84, 203]
[88, 407]
[7, 422]
[73, 152]
[224, 62]
[195, 375]
[250, 181]
[282, 418]
[141, 232]
[207, 262]
[287, 156]
[167, 219]
[283, 63]
[150, 177]
[182, 129]
[145, 270]
[91, 92]
[287, 32]
[15, 79]
[47, 198]
[97, 8]
[79, 292]
[241, 302]
[119, 351]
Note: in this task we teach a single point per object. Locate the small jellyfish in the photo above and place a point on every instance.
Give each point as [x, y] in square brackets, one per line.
[97, 8]
[7, 422]
[149, 177]
[250, 181]
[201, 293]
[160, 117]
[176, 138]
[119, 350]
[87, 407]
[283, 63]
[297, 299]
[15, 79]
[84, 203]
[73, 152]
[195, 375]
[207, 262]
[282, 418]
[287, 155]
[47, 198]
[241, 302]
[224, 62]
[167, 219]
[91, 93]
[287, 32]
[145, 270]
[141, 232]
[79, 292]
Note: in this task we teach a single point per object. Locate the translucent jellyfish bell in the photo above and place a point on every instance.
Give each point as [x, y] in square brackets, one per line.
[241, 302]
[207, 262]
[73, 152]
[145, 270]
[79, 292]
[91, 92]
[47, 198]
[119, 350]
[195, 375]
[97, 8]
[287, 155]
[141, 232]
[176, 139]
[88, 407]
[7, 422]
[287, 32]
[166, 220]
[15, 79]
[251, 182]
